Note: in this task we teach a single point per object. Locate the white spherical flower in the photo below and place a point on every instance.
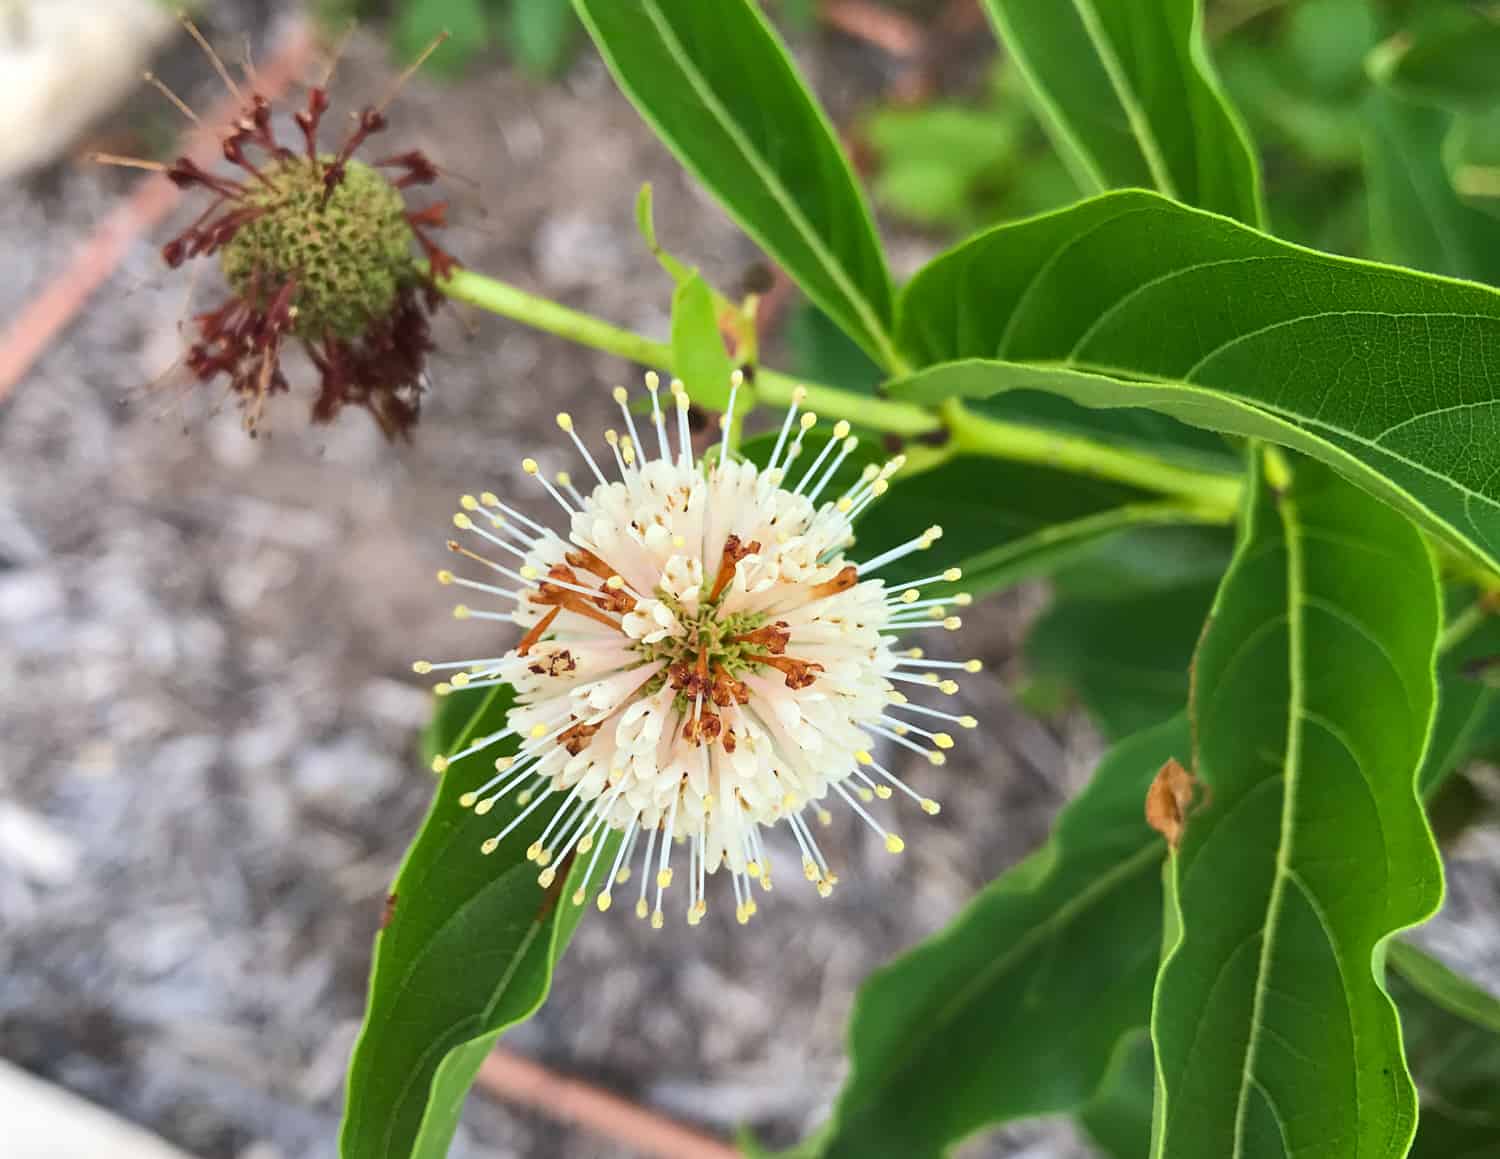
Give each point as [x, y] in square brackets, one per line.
[700, 661]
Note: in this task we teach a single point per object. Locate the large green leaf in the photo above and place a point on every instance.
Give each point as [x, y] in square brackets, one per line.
[1447, 57]
[1127, 92]
[1016, 1009]
[467, 951]
[1452, 1033]
[1313, 694]
[1467, 725]
[698, 353]
[719, 88]
[1118, 1118]
[1416, 216]
[1125, 657]
[1391, 376]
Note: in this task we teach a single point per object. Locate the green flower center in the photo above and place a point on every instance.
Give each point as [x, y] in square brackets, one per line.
[349, 251]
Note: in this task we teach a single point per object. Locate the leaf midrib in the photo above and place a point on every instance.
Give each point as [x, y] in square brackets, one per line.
[874, 327]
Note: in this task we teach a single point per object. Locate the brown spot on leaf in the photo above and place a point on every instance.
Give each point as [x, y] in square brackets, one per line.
[1168, 800]
[388, 911]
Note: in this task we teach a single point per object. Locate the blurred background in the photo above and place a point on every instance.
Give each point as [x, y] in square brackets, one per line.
[208, 722]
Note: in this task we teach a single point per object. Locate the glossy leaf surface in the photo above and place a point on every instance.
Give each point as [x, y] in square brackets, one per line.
[1312, 699]
[721, 91]
[1131, 300]
[467, 951]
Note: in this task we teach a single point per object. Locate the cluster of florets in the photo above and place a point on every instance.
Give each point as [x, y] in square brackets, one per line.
[322, 249]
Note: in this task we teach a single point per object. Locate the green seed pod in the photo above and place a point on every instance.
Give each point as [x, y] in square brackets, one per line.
[347, 250]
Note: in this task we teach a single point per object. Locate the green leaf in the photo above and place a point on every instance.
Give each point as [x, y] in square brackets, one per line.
[698, 352]
[1312, 699]
[1468, 718]
[1017, 1007]
[1118, 1118]
[721, 91]
[419, 22]
[1125, 657]
[541, 32]
[821, 352]
[645, 223]
[1446, 58]
[1416, 216]
[1127, 92]
[1452, 1033]
[1379, 371]
[468, 951]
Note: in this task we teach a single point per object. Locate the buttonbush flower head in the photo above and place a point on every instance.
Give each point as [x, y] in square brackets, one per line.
[319, 249]
[699, 659]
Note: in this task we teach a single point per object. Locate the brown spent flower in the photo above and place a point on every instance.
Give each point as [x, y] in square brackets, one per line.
[318, 248]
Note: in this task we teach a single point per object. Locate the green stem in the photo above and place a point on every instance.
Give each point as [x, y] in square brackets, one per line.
[1211, 492]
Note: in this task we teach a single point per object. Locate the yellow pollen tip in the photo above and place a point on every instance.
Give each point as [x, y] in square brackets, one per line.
[799, 395]
[603, 901]
[936, 758]
[612, 437]
[460, 680]
[623, 876]
[579, 897]
[752, 868]
[678, 541]
[963, 599]
[865, 795]
[825, 817]
[538, 731]
[934, 532]
[529, 466]
[467, 800]
[751, 908]
[931, 678]
[565, 421]
[953, 623]
[620, 394]
[442, 688]
[544, 857]
[864, 758]
[841, 429]
[880, 487]
[953, 575]
[664, 878]
[614, 583]
[915, 653]
[523, 798]
[967, 722]
[657, 920]
[484, 806]
[808, 421]
[528, 572]
[422, 667]
[640, 908]
[789, 801]
[742, 915]
[973, 665]
[825, 888]
[503, 763]
[546, 877]
[653, 381]
[586, 844]
[440, 764]
[910, 596]
[931, 807]
[949, 687]
[883, 792]
[462, 521]
[894, 843]
[809, 869]
[533, 851]
[469, 503]
[491, 844]
[736, 377]
[895, 697]
[942, 740]
[564, 479]
[490, 499]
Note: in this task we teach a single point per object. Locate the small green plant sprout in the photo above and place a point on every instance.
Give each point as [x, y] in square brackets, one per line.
[317, 247]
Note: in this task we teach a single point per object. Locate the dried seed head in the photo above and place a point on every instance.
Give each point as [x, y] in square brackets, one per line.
[317, 248]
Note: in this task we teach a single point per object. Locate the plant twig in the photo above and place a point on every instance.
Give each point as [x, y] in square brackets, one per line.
[514, 1079]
